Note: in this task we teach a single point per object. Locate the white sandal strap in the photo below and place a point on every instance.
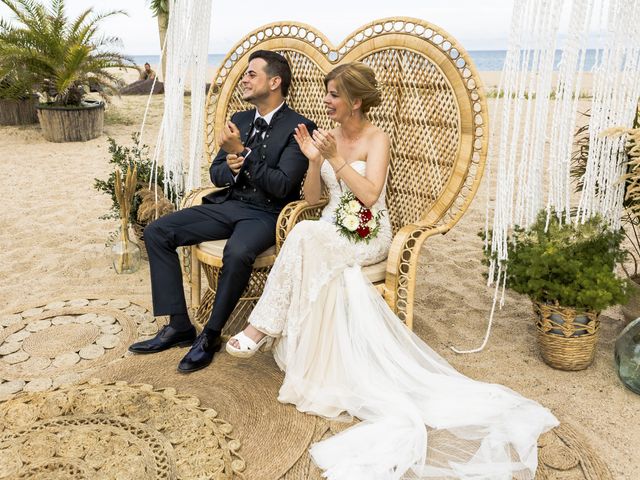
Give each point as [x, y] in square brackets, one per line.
[246, 344]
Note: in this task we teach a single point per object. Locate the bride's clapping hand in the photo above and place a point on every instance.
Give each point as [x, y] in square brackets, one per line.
[306, 144]
[325, 142]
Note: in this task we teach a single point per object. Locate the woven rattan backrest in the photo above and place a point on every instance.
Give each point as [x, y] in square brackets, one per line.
[433, 106]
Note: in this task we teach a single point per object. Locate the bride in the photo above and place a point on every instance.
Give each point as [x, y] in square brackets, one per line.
[343, 350]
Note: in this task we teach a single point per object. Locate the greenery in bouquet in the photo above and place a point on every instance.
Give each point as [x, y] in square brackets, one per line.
[355, 221]
[570, 265]
[148, 203]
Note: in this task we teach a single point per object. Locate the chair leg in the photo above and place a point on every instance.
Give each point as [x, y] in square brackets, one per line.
[203, 311]
[195, 283]
[238, 318]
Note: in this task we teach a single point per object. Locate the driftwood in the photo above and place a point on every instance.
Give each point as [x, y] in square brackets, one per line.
[69, 124]
[142, 87]
[18, 112]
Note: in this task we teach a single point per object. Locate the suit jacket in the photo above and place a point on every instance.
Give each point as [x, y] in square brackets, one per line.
[272, 174]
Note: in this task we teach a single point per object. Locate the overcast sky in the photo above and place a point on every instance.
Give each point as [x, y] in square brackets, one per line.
[478, 25]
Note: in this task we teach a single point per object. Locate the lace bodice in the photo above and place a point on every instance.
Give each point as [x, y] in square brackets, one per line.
[337, 188]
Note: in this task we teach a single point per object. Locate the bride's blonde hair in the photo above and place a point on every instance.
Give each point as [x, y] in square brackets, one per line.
[356, 80]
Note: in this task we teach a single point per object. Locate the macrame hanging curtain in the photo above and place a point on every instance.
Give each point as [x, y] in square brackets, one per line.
[616, 89]
[186, 52]
[535, 119]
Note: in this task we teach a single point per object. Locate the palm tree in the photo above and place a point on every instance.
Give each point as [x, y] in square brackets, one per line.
[160, 9]
[58, 56]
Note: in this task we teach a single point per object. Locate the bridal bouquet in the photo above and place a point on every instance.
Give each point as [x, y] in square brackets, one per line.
[354, 220]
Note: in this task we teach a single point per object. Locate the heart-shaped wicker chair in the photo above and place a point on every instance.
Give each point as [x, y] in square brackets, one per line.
[433, 108]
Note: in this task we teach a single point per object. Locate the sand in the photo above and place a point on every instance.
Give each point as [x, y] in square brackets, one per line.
[52, 247]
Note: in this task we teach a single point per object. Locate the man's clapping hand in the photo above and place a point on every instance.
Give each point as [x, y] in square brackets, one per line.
[235, 163]
[230, 139]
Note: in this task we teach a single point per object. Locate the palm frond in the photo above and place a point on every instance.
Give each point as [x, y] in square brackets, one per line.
[57, 55]
[159, 7]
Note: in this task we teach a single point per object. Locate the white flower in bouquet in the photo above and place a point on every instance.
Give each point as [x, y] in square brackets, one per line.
[351, 223]
[355, 221]
[353, 206]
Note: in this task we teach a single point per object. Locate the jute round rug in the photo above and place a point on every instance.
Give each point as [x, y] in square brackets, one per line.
[276, 438]
[564, 454]
[244, 392]
[63, 341]
[82, 431]
[98, 430]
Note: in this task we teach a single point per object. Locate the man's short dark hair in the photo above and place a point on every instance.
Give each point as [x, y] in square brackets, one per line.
[277, 66]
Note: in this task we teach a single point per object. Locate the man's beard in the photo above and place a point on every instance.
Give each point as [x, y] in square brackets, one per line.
[255, 97]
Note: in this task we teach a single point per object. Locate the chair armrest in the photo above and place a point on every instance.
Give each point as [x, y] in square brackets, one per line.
[402, 266]
[194, 197]
[293, 213]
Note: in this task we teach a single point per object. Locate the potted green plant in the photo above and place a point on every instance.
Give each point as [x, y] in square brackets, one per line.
[630, 219]
[567, 270]
[63, 59]
[148, 203]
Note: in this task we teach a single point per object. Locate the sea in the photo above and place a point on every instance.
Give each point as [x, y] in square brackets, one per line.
[485, 60]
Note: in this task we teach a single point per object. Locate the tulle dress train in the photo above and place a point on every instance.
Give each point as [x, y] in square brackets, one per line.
[344, 351]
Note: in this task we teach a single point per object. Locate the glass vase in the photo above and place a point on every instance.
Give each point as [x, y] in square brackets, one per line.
[125, 253]
[628, 356]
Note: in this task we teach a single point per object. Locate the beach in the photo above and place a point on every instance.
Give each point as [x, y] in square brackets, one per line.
[52, 248]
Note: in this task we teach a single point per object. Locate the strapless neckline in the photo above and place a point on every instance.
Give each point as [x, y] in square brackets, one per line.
[351, 163]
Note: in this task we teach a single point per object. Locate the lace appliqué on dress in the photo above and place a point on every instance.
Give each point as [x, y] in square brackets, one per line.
[312, 255]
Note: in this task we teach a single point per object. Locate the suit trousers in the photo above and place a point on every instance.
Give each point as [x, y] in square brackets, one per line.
[249, 231]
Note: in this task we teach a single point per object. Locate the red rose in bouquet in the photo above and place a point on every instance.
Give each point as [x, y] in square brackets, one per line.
[363, 231]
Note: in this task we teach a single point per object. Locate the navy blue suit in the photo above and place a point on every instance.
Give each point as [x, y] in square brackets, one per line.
[245, 213]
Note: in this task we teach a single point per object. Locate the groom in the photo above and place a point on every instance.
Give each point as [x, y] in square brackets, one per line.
[262, 167]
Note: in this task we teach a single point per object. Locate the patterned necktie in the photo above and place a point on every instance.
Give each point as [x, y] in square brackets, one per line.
[260, 126]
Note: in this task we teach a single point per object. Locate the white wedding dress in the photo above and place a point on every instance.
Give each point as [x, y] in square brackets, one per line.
[345, 352]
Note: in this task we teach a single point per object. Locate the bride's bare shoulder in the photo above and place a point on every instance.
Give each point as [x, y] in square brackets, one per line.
[378, 136]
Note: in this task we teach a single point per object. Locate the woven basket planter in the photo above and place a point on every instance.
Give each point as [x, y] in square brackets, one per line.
[567, 338]
[71, 124]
